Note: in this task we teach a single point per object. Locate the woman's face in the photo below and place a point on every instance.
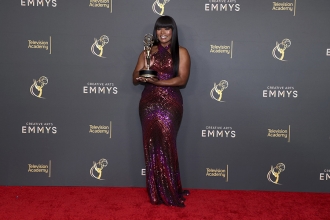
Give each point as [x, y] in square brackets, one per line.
[164, 35]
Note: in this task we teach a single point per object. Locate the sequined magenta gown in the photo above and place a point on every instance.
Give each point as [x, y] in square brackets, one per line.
[161, 113]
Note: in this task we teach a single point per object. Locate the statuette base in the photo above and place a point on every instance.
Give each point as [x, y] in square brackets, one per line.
[148, 73]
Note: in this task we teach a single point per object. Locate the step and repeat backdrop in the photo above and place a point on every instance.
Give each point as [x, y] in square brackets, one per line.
[256, 107]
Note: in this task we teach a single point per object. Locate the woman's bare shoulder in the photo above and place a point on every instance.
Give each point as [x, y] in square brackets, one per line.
[183, 51]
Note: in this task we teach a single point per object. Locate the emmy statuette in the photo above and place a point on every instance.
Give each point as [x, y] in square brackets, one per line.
[148, 42]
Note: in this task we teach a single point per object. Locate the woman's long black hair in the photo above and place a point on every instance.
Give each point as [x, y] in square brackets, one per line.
[168, 22]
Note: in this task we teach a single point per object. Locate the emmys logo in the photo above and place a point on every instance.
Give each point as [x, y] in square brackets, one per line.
[38, 86]
[210, 172]
[98, 45]
[280, 92]
[101, 4]
[218, 131]
[328, 52]
[225, 5]
[101, 129]
[285, 6]
[143, 172]
[325, 175]
[159, 7]
[279, 50]
[216, 92]
[41, 3]
[273, 175]
[100, 88]
[97, 168]
[280, 133]
[39, 128]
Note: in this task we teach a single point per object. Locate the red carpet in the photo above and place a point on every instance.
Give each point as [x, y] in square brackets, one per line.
[100, 203]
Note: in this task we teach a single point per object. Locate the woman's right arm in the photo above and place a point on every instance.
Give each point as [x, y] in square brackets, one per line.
[139, 66]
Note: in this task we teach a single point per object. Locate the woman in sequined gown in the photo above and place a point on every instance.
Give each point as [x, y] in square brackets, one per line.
[161, 109]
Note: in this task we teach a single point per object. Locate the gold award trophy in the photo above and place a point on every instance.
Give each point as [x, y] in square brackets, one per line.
[148, 42]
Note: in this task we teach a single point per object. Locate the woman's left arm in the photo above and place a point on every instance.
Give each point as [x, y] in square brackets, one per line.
[183, 73]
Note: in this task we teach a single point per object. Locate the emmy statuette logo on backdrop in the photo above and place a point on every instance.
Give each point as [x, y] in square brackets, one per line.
[37, 87]
[273, 175]
[279, 50]
[159, 7]
[98, 167]
[98, 45]
[216, 92]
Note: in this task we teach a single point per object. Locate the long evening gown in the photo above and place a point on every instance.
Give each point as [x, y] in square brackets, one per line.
[161, 111]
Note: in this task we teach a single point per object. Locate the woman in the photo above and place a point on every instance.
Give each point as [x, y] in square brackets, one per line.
[161, 112]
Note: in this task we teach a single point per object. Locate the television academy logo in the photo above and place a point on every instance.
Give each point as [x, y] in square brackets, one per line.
[217, 90]
[97, 46]
[280, 92]
[280, 133]
[285, 6]
[101, 4]
[218, 131]
[39, 128]
[37, 87]
[41, 3]
[41, 44]
[280, 48]
[97, 168]
[100, 88]
[325, 175]
[211, 172]
[40, 168]
[273, 175]
[223, 49]
[222, 5]
[101, 129]
[159, 7]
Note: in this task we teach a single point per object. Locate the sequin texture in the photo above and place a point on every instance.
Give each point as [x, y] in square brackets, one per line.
[161, 109]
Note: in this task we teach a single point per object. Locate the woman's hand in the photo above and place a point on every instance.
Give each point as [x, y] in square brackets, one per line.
[151, 80]
[141, 79]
